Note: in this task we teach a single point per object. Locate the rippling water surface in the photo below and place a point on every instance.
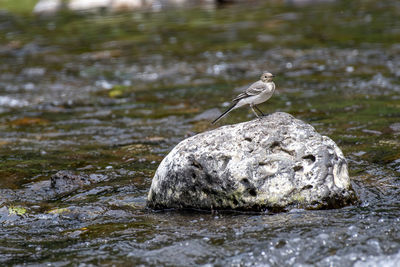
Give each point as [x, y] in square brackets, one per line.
[108, 95]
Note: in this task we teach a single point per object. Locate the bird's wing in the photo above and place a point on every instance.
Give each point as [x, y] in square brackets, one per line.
[240, 96]
[254, 89]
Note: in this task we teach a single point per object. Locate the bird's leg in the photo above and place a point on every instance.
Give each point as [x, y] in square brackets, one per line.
[259, 110]
[252, 108]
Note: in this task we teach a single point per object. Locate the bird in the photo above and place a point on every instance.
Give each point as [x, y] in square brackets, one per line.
[255, 94]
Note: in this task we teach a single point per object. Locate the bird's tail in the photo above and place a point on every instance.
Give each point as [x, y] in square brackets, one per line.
[225, 112]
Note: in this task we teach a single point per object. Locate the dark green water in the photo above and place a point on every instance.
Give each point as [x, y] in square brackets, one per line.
[111, 94]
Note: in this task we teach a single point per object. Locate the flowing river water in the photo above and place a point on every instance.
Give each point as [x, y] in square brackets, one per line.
[106, 96]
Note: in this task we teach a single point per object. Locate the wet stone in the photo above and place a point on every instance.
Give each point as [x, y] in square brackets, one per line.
[66, 181]
[275, 163]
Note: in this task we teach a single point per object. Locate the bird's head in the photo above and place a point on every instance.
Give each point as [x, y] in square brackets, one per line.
[267, 77]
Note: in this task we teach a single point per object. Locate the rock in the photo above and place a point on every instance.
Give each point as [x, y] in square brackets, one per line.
[112, 5]
[64, 182]
[84, 5]
[122, 5]
[275, 163]
[73, 185]
[47, 7]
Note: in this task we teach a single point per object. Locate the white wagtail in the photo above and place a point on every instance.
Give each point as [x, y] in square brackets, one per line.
[255, 94]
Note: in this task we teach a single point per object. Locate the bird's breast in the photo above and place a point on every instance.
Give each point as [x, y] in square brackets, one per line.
[262, 97]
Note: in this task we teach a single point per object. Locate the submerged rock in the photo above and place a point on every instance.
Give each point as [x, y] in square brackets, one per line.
[274, 163]
[64, 182]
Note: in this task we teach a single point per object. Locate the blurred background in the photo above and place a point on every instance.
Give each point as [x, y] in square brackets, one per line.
[105, 88]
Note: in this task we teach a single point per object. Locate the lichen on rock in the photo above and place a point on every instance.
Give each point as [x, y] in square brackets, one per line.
[274, 163]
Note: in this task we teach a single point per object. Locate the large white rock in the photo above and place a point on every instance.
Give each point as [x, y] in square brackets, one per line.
[275, 163]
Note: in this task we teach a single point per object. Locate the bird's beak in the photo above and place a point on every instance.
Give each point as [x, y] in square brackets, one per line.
[273, 76]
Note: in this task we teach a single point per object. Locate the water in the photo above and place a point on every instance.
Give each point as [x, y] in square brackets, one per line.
[111, 94]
